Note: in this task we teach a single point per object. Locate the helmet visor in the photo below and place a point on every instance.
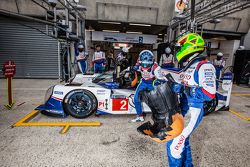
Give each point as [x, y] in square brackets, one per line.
[146, 64]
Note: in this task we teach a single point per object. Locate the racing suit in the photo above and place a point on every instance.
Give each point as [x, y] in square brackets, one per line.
[147, 83]
[82, 61]
[198, 86]
[219, 65]
[167, 61]
[99, 61]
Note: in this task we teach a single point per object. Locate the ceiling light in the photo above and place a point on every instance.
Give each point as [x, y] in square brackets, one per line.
[109, 31]
[133, 32]
[108, 22]
[135, 24]
[159, 34]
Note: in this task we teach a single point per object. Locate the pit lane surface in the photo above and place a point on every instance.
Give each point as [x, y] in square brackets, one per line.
[222, 139]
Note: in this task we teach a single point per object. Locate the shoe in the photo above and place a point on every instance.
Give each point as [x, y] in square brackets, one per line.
[137, 119]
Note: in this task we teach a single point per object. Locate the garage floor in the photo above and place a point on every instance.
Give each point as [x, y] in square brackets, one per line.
[222, 139]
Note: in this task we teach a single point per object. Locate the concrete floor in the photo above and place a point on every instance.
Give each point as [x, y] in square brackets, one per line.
[222, 139]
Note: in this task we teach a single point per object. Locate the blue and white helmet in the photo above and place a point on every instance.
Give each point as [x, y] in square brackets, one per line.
[146, 58]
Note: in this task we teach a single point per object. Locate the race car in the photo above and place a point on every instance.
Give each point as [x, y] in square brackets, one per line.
[88, 94]
[105, 93]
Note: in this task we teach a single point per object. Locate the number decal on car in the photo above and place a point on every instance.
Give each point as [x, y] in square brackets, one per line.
[120, 104]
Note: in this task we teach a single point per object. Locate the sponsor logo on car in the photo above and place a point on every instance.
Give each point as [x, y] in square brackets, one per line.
[58, 92]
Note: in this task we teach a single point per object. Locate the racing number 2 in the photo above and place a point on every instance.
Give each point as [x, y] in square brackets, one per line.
[120, 105]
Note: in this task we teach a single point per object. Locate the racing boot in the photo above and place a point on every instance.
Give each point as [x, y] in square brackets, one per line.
[137, 119]
[164, 105]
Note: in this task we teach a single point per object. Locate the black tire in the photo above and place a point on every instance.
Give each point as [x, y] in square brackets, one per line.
[80, 103]
[210, 106]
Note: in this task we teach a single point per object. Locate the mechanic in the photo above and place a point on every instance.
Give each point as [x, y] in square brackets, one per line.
[99, 60]
[199, 85]
[82, 59]
[167, 59]
[150, 71]
[219, 64]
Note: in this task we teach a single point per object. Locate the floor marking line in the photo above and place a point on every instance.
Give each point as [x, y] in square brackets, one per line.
[239, 115]
[66, 125]
[240, 94]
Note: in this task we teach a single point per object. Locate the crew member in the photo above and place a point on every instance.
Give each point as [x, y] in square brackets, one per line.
[167, 59]
[150, 71]
[219, 64]
[82, 59]
[198, 86]
[99, 60]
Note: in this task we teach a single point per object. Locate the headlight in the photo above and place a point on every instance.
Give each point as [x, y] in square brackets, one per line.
[48, 94]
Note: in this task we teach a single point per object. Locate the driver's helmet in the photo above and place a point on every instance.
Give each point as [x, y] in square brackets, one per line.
[146, 58]
[189, 44]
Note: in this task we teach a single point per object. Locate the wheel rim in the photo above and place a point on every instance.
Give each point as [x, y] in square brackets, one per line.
[80, 103]
[208, 107]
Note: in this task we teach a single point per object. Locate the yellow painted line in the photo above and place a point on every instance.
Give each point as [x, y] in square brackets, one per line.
[239, 115]
[240, 94]
[66, 125]
[31, 115]
[65, 129]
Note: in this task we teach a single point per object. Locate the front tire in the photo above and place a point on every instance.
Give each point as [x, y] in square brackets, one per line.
[80, 103]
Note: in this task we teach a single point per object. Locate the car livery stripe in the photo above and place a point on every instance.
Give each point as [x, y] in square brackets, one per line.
[56, 98]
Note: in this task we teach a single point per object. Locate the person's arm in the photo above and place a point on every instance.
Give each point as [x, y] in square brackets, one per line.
[157, 72]
[172, 56]
[93, 59]
[160, 63]
[207, 83]
[223, 64]
[137, 65]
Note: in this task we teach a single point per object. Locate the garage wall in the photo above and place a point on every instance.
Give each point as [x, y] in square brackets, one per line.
[228, 48]
[247, 41]
[35, 54]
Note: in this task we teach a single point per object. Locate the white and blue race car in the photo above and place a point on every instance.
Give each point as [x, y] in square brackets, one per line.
[99, 94]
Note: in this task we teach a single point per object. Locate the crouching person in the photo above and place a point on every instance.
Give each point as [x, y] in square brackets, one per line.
[150, 71]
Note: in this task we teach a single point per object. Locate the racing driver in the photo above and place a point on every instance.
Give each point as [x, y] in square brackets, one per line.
[150, 71]
[199, 85]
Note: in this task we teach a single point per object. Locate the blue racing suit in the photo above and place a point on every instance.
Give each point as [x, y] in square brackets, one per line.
[199, 85]
[82, 61]
[99, 61]
[147, 82]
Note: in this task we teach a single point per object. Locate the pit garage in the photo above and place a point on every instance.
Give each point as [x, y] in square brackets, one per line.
[53, 113]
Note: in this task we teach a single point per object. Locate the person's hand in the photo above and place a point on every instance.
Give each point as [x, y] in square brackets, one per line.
[136, 68]
[177, 88]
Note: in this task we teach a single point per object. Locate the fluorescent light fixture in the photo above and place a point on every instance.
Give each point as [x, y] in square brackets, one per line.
[159, 34]
[109, 31]
[133, 32]
[144, 25]
[108, 22]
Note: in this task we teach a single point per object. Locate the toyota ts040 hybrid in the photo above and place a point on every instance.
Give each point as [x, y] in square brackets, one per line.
[106, 93]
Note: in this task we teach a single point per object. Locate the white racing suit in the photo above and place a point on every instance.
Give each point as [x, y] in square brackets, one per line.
[99, 61]
[167, 61]
[219, 65]
[82, 61]
[199, 86]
